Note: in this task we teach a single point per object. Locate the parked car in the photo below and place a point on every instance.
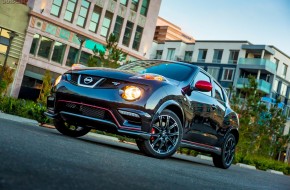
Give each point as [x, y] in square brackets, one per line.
[162, 105]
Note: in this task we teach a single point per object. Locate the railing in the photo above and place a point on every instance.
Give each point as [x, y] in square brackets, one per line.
[260, 62]
[262, 85]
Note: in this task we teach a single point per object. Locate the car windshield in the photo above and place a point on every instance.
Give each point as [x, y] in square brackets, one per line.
[169, 70]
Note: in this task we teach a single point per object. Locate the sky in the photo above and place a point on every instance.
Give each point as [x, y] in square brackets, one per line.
[264, 22]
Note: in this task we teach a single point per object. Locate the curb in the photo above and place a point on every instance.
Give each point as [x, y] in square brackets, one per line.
[47, 126]
[275, 172]
[204, 157]
[103, 137]
[18, 119]
[246, 166]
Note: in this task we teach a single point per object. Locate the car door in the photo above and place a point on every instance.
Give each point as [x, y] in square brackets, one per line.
[200, 129]
[219, 108]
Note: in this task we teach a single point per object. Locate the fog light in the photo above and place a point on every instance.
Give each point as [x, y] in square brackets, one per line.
[129, 113]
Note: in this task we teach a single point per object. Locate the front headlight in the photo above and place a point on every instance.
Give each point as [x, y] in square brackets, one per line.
[131, 93]
[57, 80]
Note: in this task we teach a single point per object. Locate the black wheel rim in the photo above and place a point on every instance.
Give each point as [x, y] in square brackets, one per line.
[229, 151]
[164, 134]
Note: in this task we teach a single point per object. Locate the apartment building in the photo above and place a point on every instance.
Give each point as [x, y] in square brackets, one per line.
[166, 30]
[58, 29]
[13, 19]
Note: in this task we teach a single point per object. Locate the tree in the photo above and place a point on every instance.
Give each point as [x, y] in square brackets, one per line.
[6, 80]
[109, 58]
[260, 124]
[45, 88]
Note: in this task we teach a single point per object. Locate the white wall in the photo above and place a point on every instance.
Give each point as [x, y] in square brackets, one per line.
[211, 46]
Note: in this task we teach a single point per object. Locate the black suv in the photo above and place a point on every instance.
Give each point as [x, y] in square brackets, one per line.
[162, 105]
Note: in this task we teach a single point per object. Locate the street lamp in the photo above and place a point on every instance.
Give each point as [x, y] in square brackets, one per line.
[82, 39]
[12, 35]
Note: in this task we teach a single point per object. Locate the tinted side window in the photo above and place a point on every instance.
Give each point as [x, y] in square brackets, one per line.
[202, 76]
[218, 92]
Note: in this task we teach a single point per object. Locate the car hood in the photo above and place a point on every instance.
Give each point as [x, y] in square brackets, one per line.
[119, 75]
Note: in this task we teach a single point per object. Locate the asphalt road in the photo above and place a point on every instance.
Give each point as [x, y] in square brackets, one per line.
[33, 157]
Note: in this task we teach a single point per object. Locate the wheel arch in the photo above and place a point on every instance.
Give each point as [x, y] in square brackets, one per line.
[235, 133]
[174, 107]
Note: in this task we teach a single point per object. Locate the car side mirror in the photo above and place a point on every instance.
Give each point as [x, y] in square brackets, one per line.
[203, 86]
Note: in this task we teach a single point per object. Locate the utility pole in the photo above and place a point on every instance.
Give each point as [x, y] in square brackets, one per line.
[82, 39]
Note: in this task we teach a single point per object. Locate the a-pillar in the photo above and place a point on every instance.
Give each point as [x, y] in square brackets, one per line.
[16, 85]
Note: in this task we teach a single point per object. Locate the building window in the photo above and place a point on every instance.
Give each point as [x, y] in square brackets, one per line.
[45, 47]
[277, 63]
[83, 13]
[106, 24]
[84, 58]
[170, 54]
[124, 2]
[285, 68]
[275, 85]
[56, 7]
[58, 52]
[134, 5]
[95, 18]
[234, 55]
[287, 112]
[3, 48]
[118, 26]
[217, 56]
[214, 72]
[4, 40]
[283, 89]
[72, 55]
[158, 54]
[127, 34]
[70, 10]
[202, 55]
[144, 7]
[188, 56]
[137, 39]
[228, 74]
[34, 44]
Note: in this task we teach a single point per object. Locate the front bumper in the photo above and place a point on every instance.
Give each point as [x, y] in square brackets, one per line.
[99, 110]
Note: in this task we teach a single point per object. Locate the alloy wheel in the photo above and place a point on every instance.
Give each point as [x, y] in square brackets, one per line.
[229, 151]
[164, 134]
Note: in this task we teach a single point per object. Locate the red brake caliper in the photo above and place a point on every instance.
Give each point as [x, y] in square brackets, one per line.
[152, 132]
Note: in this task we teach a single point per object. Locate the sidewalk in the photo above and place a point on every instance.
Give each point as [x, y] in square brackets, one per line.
[18, 119]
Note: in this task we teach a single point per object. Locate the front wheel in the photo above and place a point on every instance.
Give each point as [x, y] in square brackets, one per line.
[166, 134]
[228, 151]
[69, 129]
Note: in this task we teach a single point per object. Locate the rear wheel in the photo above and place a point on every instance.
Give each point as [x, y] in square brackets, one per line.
[228, 151]
[69, 129]
[166, 134]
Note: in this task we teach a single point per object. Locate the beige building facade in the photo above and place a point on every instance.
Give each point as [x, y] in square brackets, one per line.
[55, 28]
[166, 30]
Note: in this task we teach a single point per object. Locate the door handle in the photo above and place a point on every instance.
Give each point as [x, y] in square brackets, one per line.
[213, 107]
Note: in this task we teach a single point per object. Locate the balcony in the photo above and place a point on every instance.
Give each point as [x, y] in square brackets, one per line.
[262, 85]
[257, 63]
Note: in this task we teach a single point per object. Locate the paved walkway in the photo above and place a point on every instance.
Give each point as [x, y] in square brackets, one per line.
[18, 119]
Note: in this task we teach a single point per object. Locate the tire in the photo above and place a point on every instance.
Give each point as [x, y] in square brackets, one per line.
[140, 146]
[226, 158]
[70, 130]
[166, 133]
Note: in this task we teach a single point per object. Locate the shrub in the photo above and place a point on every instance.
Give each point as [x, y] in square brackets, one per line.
[23, 108]
[263, 163]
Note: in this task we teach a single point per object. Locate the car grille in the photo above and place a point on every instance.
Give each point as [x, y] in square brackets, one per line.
[92, 81]
[84, 110]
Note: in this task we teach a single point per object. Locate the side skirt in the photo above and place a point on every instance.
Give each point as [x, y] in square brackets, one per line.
[200, 147]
